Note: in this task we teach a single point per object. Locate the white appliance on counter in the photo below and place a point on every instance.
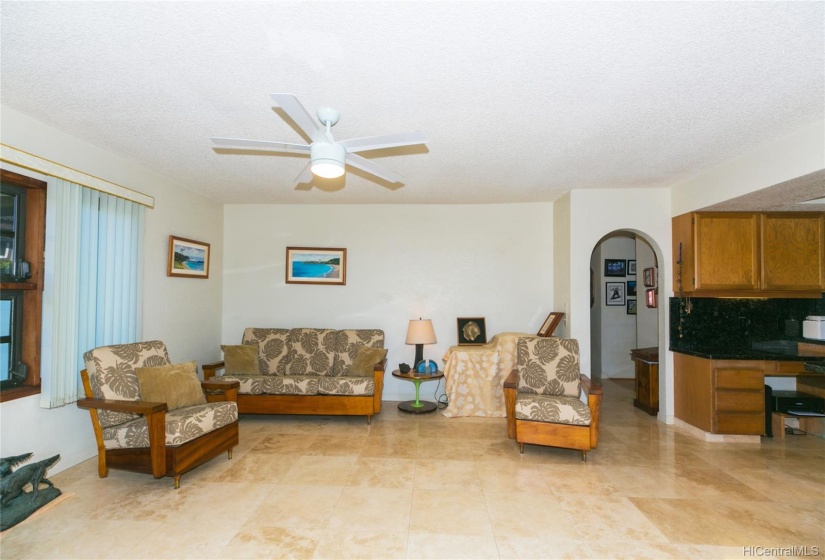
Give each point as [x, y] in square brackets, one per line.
[813, 327]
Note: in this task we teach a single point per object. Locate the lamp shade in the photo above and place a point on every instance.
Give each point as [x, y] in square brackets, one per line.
[327, 159]
[421, 331]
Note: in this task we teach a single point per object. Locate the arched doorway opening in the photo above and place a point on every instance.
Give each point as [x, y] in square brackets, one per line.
[625, 313]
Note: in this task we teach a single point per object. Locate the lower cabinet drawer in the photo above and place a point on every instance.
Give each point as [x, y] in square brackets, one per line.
[740, 401]
[740, 423]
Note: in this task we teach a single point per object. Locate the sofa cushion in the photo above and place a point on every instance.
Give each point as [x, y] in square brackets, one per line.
[241, 359]
[111, 372]
[348, 342]
[548, 366]
[364, 386]
[553, 409]
[177, 385]
[275, 385]
[273, 356]
[311, 351]
[182, 425]
[365, 359]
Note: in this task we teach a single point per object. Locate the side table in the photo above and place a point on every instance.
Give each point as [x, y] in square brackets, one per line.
[417, 406]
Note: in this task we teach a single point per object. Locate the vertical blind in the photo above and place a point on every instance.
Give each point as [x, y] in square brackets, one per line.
[93, 277]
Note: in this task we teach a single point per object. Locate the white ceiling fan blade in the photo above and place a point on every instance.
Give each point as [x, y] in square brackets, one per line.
[303, 182]
[279, 147]
[373, 168]
[299, 115]
[354, 145]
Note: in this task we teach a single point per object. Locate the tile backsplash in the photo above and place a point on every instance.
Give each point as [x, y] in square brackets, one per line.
[734, 323]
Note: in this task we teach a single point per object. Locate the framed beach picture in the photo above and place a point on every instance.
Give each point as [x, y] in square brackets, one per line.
[315, 265]
[187, 258]
[471, 330]
[614, 293]
[615, 267]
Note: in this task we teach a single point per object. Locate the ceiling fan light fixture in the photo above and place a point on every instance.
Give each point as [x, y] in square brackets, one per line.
[327, 160]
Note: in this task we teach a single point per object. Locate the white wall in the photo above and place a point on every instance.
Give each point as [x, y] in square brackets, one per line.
[403, 262]
[647, 318]
[594, 213]
[184, 313]
[617, 328]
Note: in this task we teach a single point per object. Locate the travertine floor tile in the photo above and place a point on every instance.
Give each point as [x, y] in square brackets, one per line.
[451, 547]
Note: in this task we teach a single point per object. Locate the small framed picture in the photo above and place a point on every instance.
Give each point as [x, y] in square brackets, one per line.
[471, 330]
[615, 267]
[631, 288]
[631, 307]
[313, 265]
[650, 297]
[614, 293]
[187, 258]
[649, 278]
[631, 268]
[550, 324]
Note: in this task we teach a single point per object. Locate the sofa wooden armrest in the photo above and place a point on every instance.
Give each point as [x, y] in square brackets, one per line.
[132, 407]
[218, 390]
[211, 370]
[594, 394]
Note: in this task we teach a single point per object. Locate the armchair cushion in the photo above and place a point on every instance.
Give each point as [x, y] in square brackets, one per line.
[241, 359]
[554, 409]
[548, 366]
[112, 374]
[365, 360]
[177, 385]
[182, 425]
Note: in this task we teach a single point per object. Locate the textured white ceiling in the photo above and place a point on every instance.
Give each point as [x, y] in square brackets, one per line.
[521, 101]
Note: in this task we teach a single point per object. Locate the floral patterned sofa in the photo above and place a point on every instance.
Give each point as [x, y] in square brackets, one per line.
[307, 371]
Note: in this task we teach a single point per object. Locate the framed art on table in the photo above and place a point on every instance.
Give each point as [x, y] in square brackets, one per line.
[550, 324]
[471, 330]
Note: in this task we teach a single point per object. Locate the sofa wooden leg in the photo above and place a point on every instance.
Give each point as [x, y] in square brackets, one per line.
[521, 448]
[369, 419]
[177, 481]
[584, 456]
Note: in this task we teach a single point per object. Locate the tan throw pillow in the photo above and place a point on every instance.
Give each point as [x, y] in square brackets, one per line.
[241, 359]
[177, 385]
[365, 359]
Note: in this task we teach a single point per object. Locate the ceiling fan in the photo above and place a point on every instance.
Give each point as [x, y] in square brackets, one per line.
[327, 156]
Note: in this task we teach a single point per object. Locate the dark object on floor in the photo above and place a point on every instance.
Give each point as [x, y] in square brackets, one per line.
[16, 504]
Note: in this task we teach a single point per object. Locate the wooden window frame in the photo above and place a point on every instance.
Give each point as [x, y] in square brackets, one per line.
[32, 288]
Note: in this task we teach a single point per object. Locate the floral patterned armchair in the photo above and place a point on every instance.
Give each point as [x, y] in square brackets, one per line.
[182, 423]
[542, 396]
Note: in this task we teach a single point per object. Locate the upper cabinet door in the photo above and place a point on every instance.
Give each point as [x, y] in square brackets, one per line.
[727, 250]
[793, 255]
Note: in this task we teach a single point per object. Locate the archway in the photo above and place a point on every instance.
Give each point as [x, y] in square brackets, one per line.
[624, 315]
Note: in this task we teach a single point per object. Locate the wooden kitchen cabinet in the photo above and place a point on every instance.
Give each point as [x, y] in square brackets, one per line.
[720, 396]
[792, 255]
[749, 254]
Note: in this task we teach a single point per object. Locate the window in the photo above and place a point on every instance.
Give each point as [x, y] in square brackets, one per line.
[22, 241]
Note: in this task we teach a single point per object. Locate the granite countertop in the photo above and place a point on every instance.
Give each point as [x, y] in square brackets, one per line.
[778, 350]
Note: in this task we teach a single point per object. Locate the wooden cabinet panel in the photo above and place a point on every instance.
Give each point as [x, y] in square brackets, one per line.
[693, 391]
[792, 251]
[737, 401]
[727, 250]
[740, 423]
[779, 254]
[740, 378]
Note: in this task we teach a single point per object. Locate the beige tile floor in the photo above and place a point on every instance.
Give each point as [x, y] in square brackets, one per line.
[430, 487]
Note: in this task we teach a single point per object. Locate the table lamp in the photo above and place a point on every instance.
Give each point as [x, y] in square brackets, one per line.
[420, 332]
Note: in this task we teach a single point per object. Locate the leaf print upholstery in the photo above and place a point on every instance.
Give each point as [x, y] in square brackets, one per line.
[273, 352]
[182, 425]
[112, 373]
[553, 409]
[548, 366]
